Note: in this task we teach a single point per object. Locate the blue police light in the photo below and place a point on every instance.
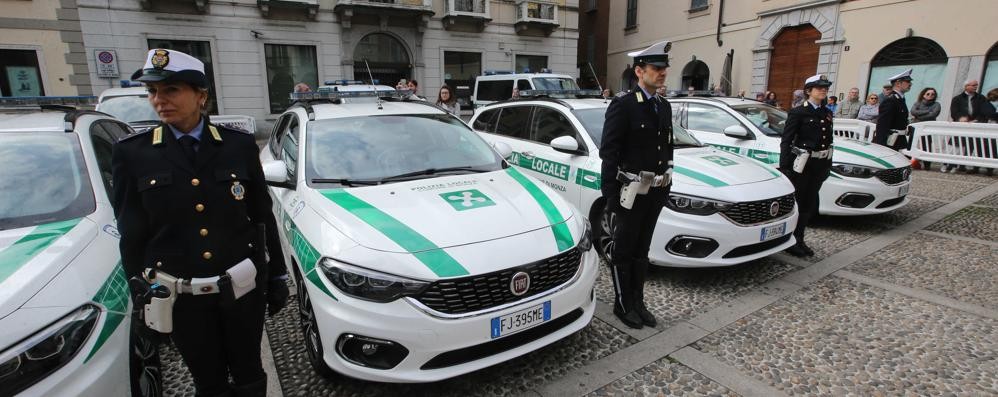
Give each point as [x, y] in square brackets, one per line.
[37, 101]
[325, 93]
[496, 72]
[565, 94]
[526, 70]
[130, 84]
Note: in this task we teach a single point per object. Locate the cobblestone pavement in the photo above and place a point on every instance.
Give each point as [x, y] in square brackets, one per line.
[904, 303]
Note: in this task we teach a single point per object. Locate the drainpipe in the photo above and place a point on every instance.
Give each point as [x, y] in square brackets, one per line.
[720, 17]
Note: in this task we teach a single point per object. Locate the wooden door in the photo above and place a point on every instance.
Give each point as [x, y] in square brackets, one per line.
[794, 59]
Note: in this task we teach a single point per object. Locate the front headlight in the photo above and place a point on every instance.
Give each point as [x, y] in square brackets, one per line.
[853, 170]
[695, 205]
[369, 285]
[41, 354]
[586, 241]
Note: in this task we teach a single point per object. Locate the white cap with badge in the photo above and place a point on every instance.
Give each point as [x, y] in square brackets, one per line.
[903, 76]
[170, 65]
[657, 55]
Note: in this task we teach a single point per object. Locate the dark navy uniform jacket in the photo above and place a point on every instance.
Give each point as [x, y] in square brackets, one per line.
[191, 220]
[893, 116]
[807, 128]
[636, 137]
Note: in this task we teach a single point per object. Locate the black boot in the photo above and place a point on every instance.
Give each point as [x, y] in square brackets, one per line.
[807, 250]
[797, 250]
[638, 286]
[623, 304]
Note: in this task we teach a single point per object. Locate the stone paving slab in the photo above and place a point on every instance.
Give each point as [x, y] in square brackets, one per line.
[916, 207]
[675, 294]
[839, 337]
[665, 377]
[515, 376]
[976, 222]
[935, 175]
[943, 189]
[929, 262]
[991, 200]
[828, 235]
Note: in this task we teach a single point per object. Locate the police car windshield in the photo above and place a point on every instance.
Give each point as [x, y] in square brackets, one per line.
[768, 119]
[129, 109]
[43, 179]
[592, 120]
[554, 83]
[372, 148]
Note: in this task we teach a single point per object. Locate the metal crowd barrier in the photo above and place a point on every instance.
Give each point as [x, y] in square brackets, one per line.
[968, 144]
[854, 129]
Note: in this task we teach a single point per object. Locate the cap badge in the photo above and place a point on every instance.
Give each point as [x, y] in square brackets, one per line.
[668, 46]
[160, 58]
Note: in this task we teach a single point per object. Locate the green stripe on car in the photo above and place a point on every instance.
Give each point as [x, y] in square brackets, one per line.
[114, 295]
[434, 257]
[307, 255]
[562, 236]
[700, 177]
[540, 164]
[18, 254]
[866, 156]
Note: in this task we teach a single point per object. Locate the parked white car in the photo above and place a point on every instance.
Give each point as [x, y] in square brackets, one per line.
[64, 300]
[418, 253]
[866, 178]
[131, 105]
[723, 209]
[498, 86]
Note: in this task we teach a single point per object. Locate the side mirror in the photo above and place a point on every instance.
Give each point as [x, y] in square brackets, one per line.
[276, 174]
[503, 149]
[736, 131]
[565, 144]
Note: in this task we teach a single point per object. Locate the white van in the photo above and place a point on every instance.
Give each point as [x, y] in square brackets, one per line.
[498, 86]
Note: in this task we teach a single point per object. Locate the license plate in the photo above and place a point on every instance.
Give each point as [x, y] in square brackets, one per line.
[521, 320]
[903, 190]
[771, 232]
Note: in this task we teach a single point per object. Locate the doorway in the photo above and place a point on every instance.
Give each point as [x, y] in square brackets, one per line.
[794, 59]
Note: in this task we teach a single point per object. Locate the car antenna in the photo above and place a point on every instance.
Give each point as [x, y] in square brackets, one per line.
[597, 80]
[371, 76]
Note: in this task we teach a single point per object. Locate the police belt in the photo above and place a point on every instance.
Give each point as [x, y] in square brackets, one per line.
[241, 277]
[660, 180]
[817, 154]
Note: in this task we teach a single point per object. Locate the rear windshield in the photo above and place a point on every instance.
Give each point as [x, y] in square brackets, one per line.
[129, 109]
[43, 179]
[554, 83]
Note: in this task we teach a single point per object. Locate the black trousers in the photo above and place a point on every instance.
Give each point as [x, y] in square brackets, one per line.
[806, 187]
[631, 241]
[217, 341]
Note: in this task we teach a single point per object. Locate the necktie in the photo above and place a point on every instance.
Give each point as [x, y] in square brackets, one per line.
[970, 105]
[187, 145]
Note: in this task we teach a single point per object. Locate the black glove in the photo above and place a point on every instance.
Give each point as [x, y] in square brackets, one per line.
[277, 296]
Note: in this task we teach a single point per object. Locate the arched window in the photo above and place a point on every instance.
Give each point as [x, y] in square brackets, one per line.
[387, 57]
[696, 74]
[923, 56]
[990, 80]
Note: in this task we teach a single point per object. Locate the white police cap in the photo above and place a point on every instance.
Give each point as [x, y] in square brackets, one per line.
[657, 54]
[169, 65]
[903, 76]
[818, 80]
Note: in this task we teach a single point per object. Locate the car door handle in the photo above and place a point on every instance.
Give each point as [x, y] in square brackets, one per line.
[590, 178]
[528, 154]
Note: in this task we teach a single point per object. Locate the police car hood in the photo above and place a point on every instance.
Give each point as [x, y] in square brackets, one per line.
[706, 166]
[852, 151]
[31, 257]
[443, 212]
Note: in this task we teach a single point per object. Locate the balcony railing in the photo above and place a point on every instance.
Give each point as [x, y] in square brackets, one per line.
[470, 8]
[537, 12]
[406, 4]
[310, 6]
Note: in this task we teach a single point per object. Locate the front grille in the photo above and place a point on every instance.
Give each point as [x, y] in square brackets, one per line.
[471, 294]
[472, 353]
[756, 212]
[894, 176]
[756, 248]
[892, 202]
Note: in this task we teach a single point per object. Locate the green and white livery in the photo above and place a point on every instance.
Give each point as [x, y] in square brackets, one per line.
[418, 253]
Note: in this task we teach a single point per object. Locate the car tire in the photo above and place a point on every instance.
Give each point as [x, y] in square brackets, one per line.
[603, 224]
[145, 366]
[310, 329]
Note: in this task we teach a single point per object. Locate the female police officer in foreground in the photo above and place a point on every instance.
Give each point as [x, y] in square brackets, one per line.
[190, 199]
[806, 154]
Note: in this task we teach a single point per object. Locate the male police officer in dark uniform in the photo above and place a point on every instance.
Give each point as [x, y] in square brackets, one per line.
[190, 198]
[806, 154]
[637, 168]
[892, 121]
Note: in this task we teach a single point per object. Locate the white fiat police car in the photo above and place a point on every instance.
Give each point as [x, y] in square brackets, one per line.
[723, 209]
[866, 178]
[64, 300]
[418, 253]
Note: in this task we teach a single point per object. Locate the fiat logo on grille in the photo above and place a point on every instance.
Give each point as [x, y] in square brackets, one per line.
[519, 284]
[774, 208]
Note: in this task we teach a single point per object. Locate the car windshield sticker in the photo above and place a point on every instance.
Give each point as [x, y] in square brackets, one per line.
[308, 256]
[562, 236]
[435, 258]
[544, 166]
[700, 177]
[467, 199]
[721, 161]
[114, 295]
[15, 256]
[866, 156]
[589, 179]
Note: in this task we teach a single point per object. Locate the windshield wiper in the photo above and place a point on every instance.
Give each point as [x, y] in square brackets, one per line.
[345, 182]
[682, 145]
[430, 171]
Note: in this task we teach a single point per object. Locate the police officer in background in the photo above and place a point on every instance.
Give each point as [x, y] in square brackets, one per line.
[806, 154]
[892, 122]
[637, 168]
[190, 199]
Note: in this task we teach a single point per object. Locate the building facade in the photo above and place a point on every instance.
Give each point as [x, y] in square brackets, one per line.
[41, 49]
[773, 45]
[255, 51]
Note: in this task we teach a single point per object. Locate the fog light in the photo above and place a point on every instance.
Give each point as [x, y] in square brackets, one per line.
[854, 200]
[691, 247]
[370, 352]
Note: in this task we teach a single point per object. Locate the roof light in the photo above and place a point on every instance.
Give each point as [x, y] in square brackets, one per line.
[495, 72]
[38, 101]
[560, 93]
[545, 70]
[130, 84]
[349, 82]
[325, 93]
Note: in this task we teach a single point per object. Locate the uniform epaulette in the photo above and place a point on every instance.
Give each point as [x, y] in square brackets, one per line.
[137, 134]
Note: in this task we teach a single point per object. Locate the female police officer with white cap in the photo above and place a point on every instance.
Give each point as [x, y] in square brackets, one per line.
[806, 154]
[192, 205]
